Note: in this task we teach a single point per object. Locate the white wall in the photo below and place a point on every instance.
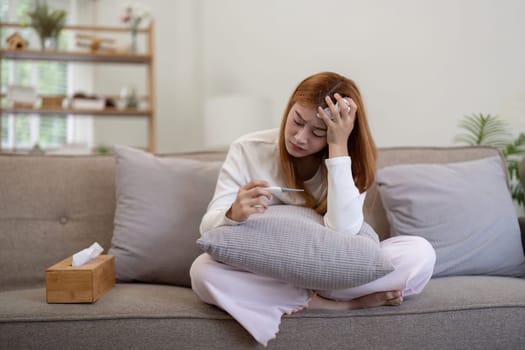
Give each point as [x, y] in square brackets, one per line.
[421, 64]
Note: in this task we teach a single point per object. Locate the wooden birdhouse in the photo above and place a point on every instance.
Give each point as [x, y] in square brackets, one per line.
[16, 42]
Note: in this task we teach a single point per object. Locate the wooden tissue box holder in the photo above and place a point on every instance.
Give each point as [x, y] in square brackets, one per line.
[80, 284]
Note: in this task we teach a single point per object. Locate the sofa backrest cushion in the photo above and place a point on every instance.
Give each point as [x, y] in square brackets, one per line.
[374, 211]
[464, 209]
[160, 203]
[51, 207]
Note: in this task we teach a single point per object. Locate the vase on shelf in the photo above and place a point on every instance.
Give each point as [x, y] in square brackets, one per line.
[133, 46]
[128, 97]
[49, 43]
[132, 17]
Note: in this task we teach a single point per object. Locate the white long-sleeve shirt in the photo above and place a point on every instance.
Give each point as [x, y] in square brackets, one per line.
[256, 157]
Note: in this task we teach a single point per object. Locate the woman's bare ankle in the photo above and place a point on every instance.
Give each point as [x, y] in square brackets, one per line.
[319, 303]
[390, 298]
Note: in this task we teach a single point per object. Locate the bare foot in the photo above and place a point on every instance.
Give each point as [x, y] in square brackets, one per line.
[390, 298]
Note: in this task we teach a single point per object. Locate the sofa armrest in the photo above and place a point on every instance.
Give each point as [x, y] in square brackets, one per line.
[521, 220]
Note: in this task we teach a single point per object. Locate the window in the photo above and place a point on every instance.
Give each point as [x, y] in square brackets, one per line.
[25, 131]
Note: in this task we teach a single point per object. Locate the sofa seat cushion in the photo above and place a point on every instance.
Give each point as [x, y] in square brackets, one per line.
[125, 300]
[473, 311]
[130, 300]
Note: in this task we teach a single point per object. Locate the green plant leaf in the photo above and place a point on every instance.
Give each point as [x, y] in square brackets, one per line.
[517, 194]
[493, 131]
[517, 147]
[513, 167]
[45, 21]
[484, 130]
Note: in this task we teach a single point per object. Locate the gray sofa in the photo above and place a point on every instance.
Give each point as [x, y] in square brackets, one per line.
[53, 206]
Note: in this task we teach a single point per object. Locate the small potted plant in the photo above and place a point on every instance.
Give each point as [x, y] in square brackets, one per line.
[48, 23]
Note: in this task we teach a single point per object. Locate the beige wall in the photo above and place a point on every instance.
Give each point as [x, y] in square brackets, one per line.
[421, 64]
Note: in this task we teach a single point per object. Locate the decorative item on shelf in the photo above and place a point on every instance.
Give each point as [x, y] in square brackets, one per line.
[128, 97]
[20, 96]
[110, 103]
[48, 24]
[52, 102]
[133, 14]
[87, 102]
[95, 43]
[16, 42]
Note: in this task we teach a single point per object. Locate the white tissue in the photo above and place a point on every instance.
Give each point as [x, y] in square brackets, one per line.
[87, 254]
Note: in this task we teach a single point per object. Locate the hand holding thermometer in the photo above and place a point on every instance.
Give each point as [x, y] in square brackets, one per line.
[282, 189]
[275, 189]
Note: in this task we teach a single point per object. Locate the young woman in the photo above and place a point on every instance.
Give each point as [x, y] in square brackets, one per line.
[323, 146]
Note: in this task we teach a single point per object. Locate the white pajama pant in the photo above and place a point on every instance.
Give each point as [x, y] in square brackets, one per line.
[258, 302]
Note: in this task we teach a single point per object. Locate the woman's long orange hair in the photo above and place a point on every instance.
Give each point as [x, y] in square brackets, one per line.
[311, 93]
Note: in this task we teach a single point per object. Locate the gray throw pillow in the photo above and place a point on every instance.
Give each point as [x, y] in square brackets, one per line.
[160, 203]
[290, 243]
[463, 209]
